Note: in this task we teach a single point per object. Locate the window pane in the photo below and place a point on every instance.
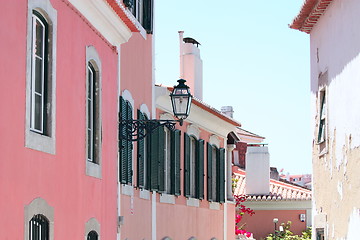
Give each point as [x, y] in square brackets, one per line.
[39, 42]
[38, 112]
[90, 145]
[38, 75]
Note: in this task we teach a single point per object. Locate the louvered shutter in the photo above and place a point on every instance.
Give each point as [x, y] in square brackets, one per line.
[209, 172]
[221, 175]
[154, 164]
[122, 144]
[161, 159]
[140, 156]
[187, 165]
[148, 16]
[200, 169]
[129, 146]
[175, 162]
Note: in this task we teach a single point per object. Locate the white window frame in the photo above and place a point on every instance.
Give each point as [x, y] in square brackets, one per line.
[37, 138]
[90, 109]
[167, 162]
[193, 142]
[34, 78]
[93, 165]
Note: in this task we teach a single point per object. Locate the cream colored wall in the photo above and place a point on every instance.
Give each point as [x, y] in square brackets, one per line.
[335, 48]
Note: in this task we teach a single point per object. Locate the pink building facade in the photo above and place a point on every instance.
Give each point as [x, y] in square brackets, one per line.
[71, 70]
[60, 118]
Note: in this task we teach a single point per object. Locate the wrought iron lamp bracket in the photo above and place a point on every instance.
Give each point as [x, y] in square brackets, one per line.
[134, 130]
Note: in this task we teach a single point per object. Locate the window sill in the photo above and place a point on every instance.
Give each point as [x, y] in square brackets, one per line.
[192, 202]
[167, 198]
[127, 190]
[144, 194]
[39, 142]
[93, 169]
[214, 205]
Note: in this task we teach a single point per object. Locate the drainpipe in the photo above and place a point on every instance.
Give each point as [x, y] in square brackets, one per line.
[153, 113]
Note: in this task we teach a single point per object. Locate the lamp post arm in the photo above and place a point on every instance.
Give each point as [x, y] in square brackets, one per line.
[134, 130]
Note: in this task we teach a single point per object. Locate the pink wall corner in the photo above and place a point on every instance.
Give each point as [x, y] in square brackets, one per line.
[264, 218]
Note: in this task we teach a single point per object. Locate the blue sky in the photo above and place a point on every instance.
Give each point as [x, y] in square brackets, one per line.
[252, 61]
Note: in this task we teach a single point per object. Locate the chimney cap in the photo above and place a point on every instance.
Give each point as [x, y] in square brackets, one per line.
[191, 40]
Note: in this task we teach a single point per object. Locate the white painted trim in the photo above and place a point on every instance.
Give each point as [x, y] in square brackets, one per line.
[127, 190]
[104, 19]
[92, 224]
[144, 194]
[193, 130]
[193, 202]
[167, 198]
[153, 216]
[279, 205]
[214, 205]
[214, 140]
[145, 110]
[38, 206]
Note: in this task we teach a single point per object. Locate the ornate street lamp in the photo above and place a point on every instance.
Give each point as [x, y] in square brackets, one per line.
[133, 130]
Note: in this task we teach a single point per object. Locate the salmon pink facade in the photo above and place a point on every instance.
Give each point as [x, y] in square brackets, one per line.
[72, 71]
[52, 185]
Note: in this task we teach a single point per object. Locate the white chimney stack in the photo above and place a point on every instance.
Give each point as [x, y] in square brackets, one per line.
[257, 170]
[191, 65]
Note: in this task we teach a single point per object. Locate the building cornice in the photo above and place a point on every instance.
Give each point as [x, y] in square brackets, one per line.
[109, 17]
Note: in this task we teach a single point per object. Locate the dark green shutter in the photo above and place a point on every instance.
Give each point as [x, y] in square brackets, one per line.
[161, 159]
[122, 144]
[209, 172]
[154, 164]
[187, 165]
[129, 146]
[175, 162]
[148, 16]
[140, 157]
[221, 175]
[200, 169]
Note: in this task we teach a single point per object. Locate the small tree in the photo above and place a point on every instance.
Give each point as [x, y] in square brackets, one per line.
[286, 234]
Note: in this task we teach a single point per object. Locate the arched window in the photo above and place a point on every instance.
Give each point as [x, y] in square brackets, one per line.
[39, 73]
[39, 228]
[93, 235]
[40, 118]
[93, 112]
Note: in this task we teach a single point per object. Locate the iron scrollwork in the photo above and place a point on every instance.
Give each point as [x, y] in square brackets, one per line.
[134, 130]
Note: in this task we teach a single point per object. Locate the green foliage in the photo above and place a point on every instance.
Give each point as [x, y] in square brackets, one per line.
[288, 235]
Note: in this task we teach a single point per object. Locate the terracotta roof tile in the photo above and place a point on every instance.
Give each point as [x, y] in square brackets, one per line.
[309, 15]
[124, 15]
[278, 190]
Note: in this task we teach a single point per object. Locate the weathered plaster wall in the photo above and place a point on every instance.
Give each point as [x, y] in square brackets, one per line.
[335, 48]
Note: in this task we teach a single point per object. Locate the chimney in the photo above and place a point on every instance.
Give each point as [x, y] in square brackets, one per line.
[257, 170]
[274, 174]
[191, 65]
[227, 110]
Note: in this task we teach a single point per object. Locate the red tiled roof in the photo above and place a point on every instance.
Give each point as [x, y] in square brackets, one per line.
[278, 190]
[124, 15]
[309, 15]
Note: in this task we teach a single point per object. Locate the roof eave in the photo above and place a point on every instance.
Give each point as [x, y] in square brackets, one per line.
[309, 15]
